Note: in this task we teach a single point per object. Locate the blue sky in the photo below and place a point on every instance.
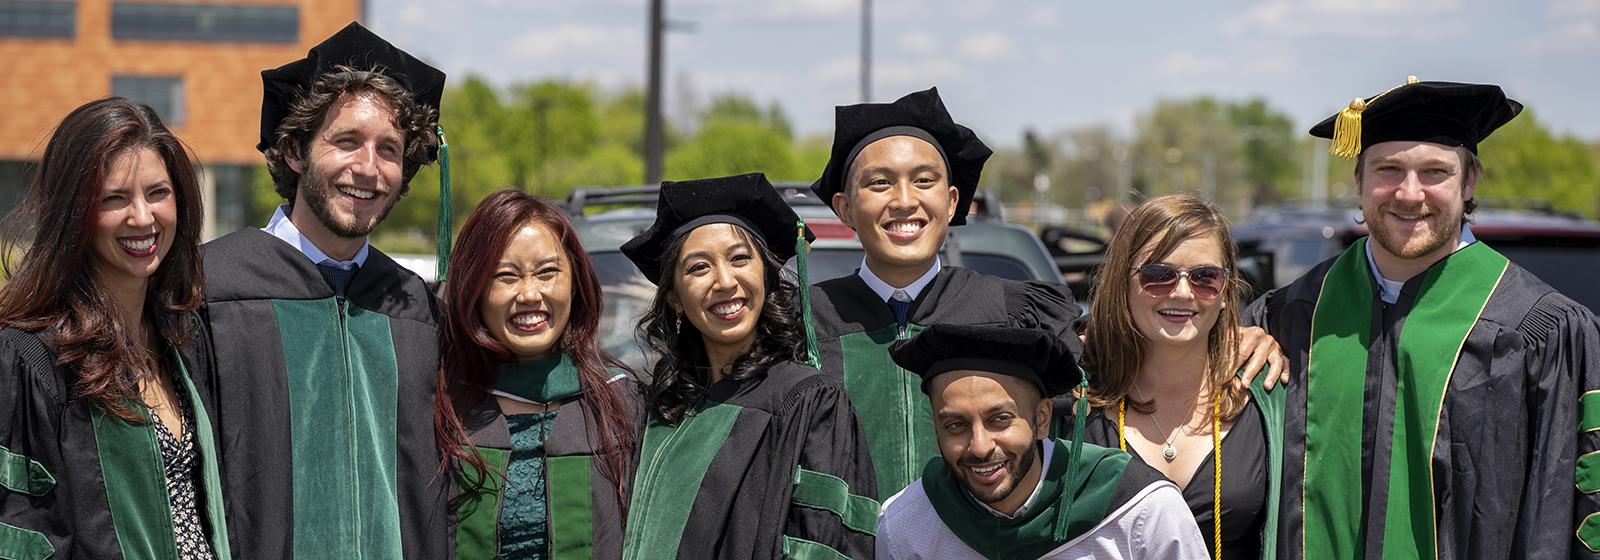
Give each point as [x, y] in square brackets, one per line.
[1006, 65]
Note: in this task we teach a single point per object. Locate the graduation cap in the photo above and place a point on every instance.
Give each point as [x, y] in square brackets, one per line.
[748, 201]
[1448, 113]
[1035, 355]
[920, 115]
[359, 48]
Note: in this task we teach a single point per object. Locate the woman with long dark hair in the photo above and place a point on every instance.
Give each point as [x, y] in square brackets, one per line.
[749, 452]
[108, 448]
[537, 422]
[1160, 346]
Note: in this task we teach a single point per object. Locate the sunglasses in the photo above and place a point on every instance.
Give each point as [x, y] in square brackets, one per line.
[1159, 280]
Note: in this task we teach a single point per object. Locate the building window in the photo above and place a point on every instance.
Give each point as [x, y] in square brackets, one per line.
[205, 22]
[38, 18]
[164, 94]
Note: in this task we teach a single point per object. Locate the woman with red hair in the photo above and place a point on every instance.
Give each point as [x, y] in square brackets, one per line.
[539, 425]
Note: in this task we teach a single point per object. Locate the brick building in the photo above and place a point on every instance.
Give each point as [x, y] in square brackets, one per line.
[197, 62]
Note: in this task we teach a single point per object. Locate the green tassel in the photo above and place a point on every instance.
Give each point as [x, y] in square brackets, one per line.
[800, 250]
[445, 232]
[1080, 414]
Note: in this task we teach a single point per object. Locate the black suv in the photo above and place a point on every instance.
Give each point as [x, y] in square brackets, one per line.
[1280, 243]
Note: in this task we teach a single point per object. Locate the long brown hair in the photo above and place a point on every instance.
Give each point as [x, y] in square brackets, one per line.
[53, 286]
[469, 356]
[1113, 346]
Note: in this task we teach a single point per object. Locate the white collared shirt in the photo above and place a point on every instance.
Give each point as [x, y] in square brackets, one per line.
[1388, 289]
[885, 291]
[280, 227]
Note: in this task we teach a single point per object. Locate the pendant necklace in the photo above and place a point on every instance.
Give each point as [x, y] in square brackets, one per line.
[1168, 451]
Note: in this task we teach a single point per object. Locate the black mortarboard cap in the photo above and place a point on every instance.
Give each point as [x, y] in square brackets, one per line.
[748, 201]
[964, 153]
[1036, 355]
[355, 47]
[1447, 113]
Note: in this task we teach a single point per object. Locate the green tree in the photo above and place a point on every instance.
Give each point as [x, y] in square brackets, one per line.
[1524, 160]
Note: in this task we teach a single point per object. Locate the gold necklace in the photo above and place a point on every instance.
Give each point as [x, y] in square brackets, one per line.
[1216, 483]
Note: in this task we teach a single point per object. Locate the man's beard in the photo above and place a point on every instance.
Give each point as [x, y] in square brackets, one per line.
[319, 191]
[1438, 233]
[1016, 469]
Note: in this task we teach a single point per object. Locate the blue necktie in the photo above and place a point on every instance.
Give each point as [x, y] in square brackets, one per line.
[902, 311]
[337, 277]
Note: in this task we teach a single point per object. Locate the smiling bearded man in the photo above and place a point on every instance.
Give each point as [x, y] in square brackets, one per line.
[325, 353]
[1449, 401]
[1004, 489]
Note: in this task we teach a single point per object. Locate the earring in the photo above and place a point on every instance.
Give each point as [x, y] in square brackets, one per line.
[678, 323]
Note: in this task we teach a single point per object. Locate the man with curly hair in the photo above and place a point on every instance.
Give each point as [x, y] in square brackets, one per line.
[323, 347]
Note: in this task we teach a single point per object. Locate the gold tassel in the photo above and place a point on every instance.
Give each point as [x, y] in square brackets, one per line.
[1347, 130]
[1347, 126]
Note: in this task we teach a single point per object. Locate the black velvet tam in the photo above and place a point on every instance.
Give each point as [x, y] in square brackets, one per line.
[1037, 355]
[964, 153]
[354, 47]
[748, 201]
[1445, 113]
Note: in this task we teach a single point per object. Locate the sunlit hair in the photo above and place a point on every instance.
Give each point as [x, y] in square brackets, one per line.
[1114, 348]
[470, 356]
[682, 375]
[54, 287]
[418, 124]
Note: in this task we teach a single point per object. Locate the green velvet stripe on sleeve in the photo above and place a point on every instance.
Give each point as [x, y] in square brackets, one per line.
[23, 475]
[477, 528]
[1589, 412]
[136, 487]
[829, 493]
[1589, 532]
[801, 549]
[571, 507]
[17, 543]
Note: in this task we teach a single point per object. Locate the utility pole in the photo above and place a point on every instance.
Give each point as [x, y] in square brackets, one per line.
[653, 128]
[866, 51]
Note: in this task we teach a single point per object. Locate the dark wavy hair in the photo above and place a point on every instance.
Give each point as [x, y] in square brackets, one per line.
[54, 287]
[306, 115]
[682, 375]
[469, 356]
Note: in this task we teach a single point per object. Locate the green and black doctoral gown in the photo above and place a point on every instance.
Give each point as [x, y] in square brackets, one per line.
[573, 499]
[324, 405]
[855, 328]
[1476, 412]
[77, 483]
[768, 467]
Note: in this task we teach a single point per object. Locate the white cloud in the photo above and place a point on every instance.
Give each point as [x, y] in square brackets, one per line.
[575, 38]
[1582, 36]
[1570, 8]
[915, 75]
[919, 42]
[1360, 19]
[1043, 16]
[836, 70]
[987, 46]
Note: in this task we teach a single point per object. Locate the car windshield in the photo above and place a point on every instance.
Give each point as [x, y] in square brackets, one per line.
[628, 294]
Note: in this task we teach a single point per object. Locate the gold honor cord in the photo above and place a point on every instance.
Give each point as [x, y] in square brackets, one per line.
[1216, 483]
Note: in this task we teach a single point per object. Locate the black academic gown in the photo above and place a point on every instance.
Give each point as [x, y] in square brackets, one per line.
[77, 483]
[1508, 434]
[770, 467]
[855, 329]
[324, 405]
[583, 518]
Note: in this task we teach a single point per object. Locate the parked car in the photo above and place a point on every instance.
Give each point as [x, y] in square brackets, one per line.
[1283, 242]
[605, 218]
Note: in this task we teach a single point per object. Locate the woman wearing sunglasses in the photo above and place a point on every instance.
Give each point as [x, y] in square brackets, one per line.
[1159, 346]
